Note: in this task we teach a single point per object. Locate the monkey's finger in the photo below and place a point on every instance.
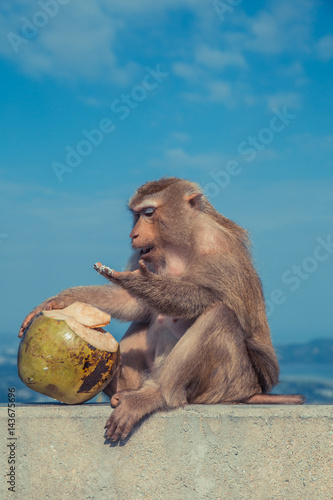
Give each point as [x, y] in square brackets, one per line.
[105, 271]
[111, 427]
[54, 304]
[143, 268]
[26, 322]
[108, 423]
[31, 316]
[116, 431]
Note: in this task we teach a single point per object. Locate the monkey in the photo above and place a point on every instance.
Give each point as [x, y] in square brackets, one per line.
[199, 332]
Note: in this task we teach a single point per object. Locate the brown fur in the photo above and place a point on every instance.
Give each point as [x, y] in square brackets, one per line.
[200, 332]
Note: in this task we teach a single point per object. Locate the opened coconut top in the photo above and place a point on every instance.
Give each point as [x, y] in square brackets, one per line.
[83, 319]
[87, 315]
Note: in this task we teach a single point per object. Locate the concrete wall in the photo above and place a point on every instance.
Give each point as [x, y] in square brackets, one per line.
[232, 452]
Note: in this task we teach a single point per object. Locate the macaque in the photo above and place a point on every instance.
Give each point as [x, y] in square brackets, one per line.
[199, 332]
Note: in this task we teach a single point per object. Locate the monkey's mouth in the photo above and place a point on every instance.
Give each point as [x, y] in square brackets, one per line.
[145, 251]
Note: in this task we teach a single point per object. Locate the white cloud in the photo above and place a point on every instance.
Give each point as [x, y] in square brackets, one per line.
[83, 40]
[219, 92]
[180, 136]
[178, 158]
[278, 28]
[77, 42]
[325, 48]
[94, 102]
[289, 99]
[282, 27]
[293, 71]
[80, 40]
[266, 35]
[186, 71]
[207, 87]
[218, 59]
[307, 142]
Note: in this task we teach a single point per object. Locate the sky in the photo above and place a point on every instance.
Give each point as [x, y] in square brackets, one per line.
[100, 97]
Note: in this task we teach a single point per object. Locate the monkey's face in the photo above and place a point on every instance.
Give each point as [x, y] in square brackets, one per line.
[163, 223]
[145, 233]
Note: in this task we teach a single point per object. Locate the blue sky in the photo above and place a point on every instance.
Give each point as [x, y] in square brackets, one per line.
[99, 97]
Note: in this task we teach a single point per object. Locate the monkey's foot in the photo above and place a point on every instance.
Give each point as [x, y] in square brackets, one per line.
[124, 417]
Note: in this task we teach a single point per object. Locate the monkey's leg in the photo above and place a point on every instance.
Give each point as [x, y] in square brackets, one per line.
[134, 361]
[209, 364]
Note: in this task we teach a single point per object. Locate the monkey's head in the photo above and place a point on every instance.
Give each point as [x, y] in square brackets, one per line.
[164, 212]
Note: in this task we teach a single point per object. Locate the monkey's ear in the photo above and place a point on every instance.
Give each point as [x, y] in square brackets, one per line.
[195, 200]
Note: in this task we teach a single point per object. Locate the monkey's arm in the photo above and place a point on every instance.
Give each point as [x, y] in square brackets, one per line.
[118, 302]
[114, 300]
[168, 295]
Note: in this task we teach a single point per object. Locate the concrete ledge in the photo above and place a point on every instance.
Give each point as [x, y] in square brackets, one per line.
[232, 452]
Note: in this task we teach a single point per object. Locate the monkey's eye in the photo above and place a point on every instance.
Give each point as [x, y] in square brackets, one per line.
[148, 212]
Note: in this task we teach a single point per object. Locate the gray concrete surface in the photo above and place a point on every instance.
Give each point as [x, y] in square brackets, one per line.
[200, 452]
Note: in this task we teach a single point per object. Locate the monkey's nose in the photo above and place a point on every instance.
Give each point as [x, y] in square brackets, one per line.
[133, 235]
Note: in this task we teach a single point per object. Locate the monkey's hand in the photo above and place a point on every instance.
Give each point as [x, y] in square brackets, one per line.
[55, 302]
[115, 276]
[168, 295]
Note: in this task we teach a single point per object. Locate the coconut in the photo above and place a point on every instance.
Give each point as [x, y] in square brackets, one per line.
[65, 354]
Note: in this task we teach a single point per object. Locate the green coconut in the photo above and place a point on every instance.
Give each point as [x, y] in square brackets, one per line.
[61, 357]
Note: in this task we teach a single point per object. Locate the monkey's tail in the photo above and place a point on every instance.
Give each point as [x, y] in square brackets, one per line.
[280, 399]
[264, 362]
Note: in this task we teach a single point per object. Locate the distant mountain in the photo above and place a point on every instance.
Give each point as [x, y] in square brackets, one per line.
[319, 351]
